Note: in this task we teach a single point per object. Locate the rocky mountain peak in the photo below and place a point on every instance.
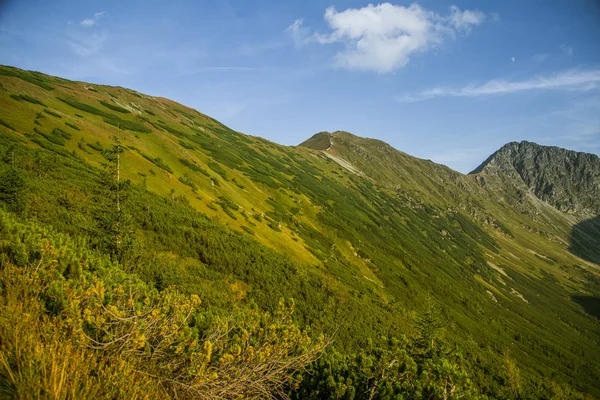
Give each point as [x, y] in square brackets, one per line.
[565, 179]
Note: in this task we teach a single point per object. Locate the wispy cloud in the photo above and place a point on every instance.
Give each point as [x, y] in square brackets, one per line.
[567, 50]
[539, 58]
[89, 22]
[575, 80]
[299, 33]
[382, 37]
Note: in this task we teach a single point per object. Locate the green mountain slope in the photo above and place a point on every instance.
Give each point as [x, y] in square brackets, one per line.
[363, 237]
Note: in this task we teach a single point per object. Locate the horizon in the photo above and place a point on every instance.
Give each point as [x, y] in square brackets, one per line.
[449, 84]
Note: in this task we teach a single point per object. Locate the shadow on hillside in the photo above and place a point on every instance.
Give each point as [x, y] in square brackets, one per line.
[590, 304]
[584, 240]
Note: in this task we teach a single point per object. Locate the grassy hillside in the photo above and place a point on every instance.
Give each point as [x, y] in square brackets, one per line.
[364, 238]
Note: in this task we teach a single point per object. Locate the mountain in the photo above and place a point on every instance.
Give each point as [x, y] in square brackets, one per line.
[567, 180]
[470, 279]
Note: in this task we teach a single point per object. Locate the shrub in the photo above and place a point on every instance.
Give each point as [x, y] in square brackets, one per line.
[54, 114]
[53, 137]
[186, 180]
[72, 126]
[194, 167]
[7, 125]
[127, 125]
[39, 80]
[85, 107]
[96, 146]
[25, 97]
[74, 326]
[156, 161]
[115, 107]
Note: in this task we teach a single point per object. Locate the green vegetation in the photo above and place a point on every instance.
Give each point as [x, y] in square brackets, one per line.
[186, 180]
[54, 114]
[156, 161]
[404, 282]
[54, 137]
[25, 97]
[194, 167]
[84, 107]
[74, 324]
[186, 145]
[171, 130]
[7, 125]
[72, 126]
[115, 107]
[228, 206]
[27, 76]
[96, 146]
[218, 169]
[128, 125]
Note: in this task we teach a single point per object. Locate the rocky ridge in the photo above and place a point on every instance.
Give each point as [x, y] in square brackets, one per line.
[567, 180]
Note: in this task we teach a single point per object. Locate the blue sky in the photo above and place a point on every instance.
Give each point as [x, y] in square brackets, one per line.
[447, 81]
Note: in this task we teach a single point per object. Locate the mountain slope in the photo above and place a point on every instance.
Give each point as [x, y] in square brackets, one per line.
[362, 236]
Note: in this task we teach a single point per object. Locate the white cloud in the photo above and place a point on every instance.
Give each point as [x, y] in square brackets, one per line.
[513, 59]
[577, 80]
[383, 37]
[464, 20]
[299, 32]
[89, 22]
